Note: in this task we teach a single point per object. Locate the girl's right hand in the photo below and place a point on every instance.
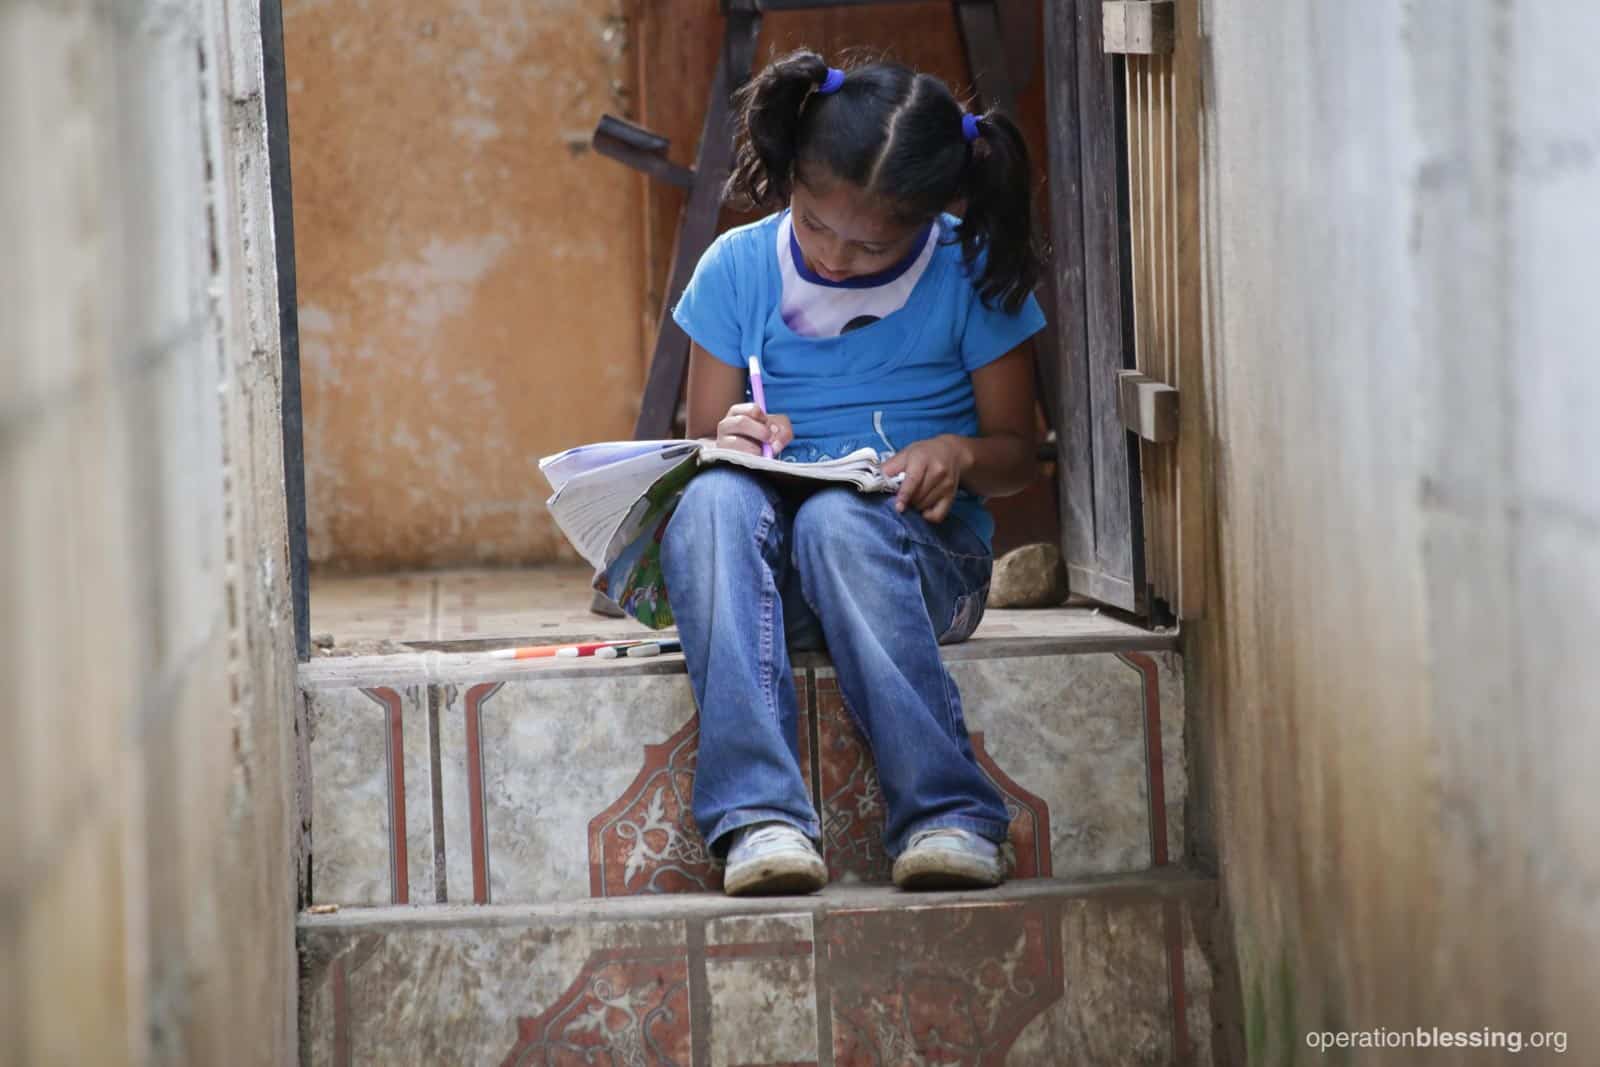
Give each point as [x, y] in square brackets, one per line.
[745, 427]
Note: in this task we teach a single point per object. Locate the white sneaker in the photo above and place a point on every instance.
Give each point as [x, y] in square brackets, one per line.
[948, 858]
[773, 858]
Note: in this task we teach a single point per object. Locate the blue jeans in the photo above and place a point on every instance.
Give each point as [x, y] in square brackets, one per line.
[752, 571]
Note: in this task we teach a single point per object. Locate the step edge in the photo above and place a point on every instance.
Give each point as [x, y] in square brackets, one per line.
[1164, 883]
[446, 668]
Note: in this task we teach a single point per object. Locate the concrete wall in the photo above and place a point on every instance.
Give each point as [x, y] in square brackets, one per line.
[148, 889]
[1396, 674]
[470, 273]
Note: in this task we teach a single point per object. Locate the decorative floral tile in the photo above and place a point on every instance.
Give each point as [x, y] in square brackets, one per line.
[947, 985]
[1112, 976]
[1070, 741]
[627, 1006]
[574, 787]
[852, 802]
[546, 992]
[761, 981]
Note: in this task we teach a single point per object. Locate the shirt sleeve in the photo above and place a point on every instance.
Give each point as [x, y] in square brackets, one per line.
[990, 332]
[708, 311]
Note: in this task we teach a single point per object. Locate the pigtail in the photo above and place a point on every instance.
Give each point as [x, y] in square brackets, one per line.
[999, 214]
[766, 139]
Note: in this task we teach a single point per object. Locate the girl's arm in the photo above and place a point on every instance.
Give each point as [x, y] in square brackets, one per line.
[717, 409]
[998, 462]
[1004, 459]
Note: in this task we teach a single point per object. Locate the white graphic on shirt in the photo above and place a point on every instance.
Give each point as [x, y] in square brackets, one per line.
[813, 310]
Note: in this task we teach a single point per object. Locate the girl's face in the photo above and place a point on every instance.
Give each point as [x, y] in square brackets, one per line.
[844, 231]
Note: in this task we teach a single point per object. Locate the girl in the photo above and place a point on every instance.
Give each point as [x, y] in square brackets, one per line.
[879, 321]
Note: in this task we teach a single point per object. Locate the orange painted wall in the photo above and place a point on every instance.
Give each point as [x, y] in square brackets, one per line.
[478, 288]
[471, 275]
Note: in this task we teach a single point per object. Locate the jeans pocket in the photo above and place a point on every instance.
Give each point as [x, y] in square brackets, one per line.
[966, 616]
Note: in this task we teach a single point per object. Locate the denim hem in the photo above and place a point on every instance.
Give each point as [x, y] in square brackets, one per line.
[737, 820]
[990, 829]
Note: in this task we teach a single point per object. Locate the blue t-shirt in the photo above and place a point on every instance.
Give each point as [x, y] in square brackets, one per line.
[901, 379]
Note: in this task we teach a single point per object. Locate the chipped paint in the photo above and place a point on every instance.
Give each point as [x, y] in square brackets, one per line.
[472, 288]
[441, 280]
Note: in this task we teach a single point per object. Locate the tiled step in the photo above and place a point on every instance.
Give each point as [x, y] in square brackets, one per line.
[1045, 972]
[450, 777]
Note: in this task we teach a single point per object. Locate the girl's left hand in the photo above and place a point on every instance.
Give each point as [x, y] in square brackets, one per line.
[933, 470]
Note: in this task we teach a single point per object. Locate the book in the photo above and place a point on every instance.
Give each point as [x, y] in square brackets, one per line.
[613, 501]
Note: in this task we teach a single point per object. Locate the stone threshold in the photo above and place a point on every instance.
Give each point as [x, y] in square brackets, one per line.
[1096, 634]
[1174, 883]
[475, 611]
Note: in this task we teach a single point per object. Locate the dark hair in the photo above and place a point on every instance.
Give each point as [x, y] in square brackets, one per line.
[896, 134]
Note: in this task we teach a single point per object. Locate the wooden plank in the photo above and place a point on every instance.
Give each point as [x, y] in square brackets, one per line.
[1117, 503]
[714, 160]
[1147, 407]
[1163, 117]
[1096, 584]
[1148, 294]
[276, 103]
[1192, 494]
[809, 5]
[1098, 475]
[1021, 28]
[922, 35]
[991, 69]
[1075, 472]
[1138, 27]
[1169, 288]
[1141, 251]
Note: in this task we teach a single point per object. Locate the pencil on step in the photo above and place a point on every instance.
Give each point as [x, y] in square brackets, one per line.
[589, 648]
[655, 648]
[542, 651]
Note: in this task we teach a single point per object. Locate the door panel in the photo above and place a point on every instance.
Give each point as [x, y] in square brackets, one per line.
[1100, 499]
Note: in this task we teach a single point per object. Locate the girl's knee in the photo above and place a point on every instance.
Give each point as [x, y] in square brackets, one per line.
[715, 498]
[836, 507]
[721, 487]
[842, 508]
[841, 527]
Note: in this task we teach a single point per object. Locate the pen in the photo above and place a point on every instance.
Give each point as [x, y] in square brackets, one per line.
[759, 395]
[613, 651]
[655, 648]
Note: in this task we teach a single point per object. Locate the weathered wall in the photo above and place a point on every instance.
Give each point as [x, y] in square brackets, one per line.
[477, 287]
[1403, 226]
[147, 894]
[470, 273]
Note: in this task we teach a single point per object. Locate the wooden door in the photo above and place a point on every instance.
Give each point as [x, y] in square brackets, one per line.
[1099, 472]
[1161, 66]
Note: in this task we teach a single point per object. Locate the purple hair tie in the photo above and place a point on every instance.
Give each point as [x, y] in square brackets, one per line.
[969, 127]
[832, 82]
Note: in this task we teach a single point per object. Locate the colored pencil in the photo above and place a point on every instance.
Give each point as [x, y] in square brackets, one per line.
[759, 394]
[542, 651]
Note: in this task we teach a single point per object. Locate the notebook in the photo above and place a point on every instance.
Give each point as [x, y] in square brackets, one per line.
[613, 501]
